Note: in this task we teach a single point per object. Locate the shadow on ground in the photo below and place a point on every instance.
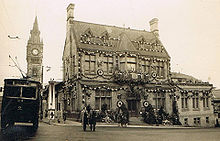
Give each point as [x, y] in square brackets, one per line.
[17, 133]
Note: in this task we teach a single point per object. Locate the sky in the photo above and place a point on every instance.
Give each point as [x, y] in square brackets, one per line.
[188, 29]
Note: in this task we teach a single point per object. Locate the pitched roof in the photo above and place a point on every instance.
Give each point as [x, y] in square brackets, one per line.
[175, 75]
[122, 35]
[216, 93]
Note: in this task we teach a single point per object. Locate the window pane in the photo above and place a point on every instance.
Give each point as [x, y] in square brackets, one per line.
[92, 66]
[197, 103]
[13, 91]
[29, 92]
[182, 99]
[110, 68]
[97, 103]
[92, 57]
[131, 66]
[207, 102]
[105, 67]
[186, 103]
[131, 59]
[87, 57]
[110, 59]
[108, 103]
[86, 66]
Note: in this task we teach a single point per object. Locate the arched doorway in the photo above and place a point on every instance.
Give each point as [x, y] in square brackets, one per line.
[133, 106]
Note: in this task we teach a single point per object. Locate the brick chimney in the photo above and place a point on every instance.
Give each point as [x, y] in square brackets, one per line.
[70, 12]
[154, 26]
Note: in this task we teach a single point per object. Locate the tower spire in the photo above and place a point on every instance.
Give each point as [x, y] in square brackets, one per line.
[35, 27]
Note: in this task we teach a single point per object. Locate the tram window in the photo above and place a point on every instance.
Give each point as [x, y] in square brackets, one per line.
[13, 91]
[29, 92]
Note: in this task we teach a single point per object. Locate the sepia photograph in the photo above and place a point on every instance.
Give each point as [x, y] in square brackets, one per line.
[109, 70]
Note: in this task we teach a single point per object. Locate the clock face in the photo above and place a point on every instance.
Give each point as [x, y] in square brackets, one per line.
[35, 51]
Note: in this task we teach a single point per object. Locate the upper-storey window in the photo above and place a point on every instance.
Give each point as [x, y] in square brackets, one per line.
[205, 101]
[195, 100]
[90, 63]
[131, 63]
[160, 69]
[108, 64]
[145, 66]
[184, 100]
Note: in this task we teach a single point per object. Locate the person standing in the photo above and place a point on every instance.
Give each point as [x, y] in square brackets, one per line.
[92, 120]
[84, 119]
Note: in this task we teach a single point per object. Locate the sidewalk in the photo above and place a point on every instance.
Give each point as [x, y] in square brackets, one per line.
[101, 124]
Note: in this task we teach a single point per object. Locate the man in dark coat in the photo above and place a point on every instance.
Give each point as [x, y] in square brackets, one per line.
[92, 120]
[84, 119]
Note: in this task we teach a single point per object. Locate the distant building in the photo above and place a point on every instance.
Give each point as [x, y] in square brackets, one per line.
[105, 64]
[35, 54]
[216, 102]
[195, 100]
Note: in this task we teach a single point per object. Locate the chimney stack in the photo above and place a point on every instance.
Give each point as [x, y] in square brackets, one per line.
[154, 26]
[70, 11]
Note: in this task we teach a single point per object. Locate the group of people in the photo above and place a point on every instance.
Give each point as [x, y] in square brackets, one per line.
[88, 118]
[122, 118]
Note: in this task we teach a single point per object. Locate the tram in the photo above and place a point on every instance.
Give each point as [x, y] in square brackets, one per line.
[20, 103]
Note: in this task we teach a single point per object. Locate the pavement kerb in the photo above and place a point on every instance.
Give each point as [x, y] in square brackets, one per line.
[74, 123]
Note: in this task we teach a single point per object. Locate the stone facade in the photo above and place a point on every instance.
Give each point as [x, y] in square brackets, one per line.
[106, 64]
[194, 101]
[35, 54]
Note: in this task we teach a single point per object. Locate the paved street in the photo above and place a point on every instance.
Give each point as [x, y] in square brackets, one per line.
[48, 132]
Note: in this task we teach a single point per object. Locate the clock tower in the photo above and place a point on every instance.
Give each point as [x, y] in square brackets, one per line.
[35, 54]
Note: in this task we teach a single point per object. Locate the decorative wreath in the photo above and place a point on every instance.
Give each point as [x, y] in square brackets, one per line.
[145, 104]
[119, 103]
[100, 72]
[154, 75]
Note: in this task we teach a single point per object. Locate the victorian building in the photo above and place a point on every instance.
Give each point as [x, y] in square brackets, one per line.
[194, 99]
[34, 54]
[105, 64]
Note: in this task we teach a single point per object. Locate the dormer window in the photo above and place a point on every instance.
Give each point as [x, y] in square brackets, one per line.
[105, 37]
[86, 37]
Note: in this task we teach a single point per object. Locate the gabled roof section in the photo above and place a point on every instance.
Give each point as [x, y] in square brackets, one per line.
[88, 32]
[105, 34]
[216, 93]
[141, 39]
[125, 43]
[115, 36]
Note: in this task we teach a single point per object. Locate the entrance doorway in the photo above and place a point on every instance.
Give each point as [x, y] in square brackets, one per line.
[133, 106]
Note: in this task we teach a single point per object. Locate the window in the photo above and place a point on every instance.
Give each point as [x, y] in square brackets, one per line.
[103, 97]
[34, 72]
[205, 101]
[13, 91]
[184, 101]
[195, 101]
[197, 121]
[108, 64]
[159, 100]
[207, 119]
[122, 62]
[73, 104]
[131, 63]
[29, 92]
[90, 63]
[161, 65]
[186, 121]
[145, 67]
